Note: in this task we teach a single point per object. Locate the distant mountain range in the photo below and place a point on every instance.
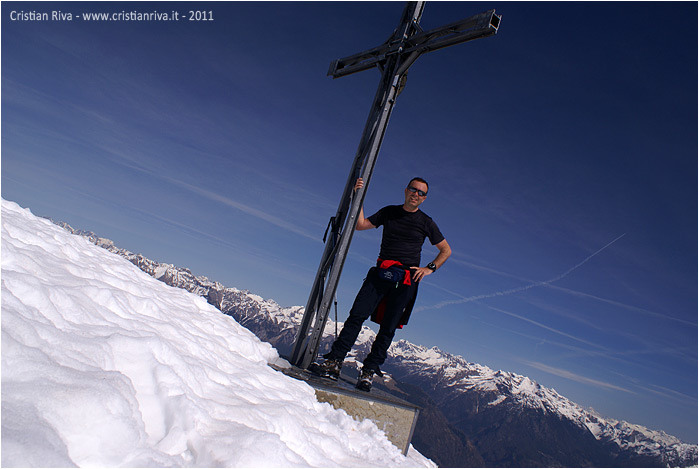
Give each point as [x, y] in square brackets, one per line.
[472, 416]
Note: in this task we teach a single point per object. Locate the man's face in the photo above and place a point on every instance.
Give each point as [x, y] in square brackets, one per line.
[413, 199]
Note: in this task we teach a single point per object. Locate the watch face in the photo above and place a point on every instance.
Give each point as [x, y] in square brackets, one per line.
[431, 266]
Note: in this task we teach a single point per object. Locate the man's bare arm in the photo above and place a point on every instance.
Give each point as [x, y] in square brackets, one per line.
[444, 253]
[362, 222]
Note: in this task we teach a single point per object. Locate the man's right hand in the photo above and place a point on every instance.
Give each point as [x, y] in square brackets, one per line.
[359, 184]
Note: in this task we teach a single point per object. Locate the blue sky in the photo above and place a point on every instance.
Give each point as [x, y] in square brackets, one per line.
[561, 156]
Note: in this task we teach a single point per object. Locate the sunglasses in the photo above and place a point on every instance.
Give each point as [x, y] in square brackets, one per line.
[419, 192]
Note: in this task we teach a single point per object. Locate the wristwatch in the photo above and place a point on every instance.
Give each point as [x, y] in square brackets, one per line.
[432, 267]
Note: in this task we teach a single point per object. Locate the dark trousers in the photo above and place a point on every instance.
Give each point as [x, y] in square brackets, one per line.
[370, 295]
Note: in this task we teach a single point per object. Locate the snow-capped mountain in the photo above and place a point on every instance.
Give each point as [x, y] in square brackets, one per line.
[509, 419]
[490, 398]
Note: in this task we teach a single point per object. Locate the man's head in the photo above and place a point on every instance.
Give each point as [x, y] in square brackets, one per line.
[415, 194]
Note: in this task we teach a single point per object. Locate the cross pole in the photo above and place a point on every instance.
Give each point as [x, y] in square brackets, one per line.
[392, 58]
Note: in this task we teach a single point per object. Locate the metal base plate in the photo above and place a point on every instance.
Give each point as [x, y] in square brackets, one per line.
[396, 417]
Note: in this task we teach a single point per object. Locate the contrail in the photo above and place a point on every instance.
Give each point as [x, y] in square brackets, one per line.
[583, 262]
[575, 377]
[523, 288]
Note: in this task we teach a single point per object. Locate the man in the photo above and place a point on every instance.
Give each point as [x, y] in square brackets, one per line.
[390, 288]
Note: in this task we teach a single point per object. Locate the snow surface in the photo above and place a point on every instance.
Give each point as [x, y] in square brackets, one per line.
[102, 365]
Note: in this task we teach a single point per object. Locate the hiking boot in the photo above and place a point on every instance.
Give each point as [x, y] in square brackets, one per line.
[364, 380]
[330, 368]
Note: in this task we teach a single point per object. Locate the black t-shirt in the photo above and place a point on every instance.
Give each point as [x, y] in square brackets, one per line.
[404, 233]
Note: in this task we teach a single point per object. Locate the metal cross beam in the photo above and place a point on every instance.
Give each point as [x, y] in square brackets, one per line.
[392, 58]
[478, 26]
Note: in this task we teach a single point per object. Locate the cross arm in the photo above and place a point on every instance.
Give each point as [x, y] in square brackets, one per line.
[409, 24]
[361, 61]
[477, 26]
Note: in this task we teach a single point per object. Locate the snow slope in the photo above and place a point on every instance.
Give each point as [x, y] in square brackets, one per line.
[103, 365]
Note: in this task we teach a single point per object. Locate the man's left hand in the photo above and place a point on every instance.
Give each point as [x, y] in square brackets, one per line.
[420, 272]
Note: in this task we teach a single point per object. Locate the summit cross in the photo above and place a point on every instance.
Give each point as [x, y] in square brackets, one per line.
[393, 58]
